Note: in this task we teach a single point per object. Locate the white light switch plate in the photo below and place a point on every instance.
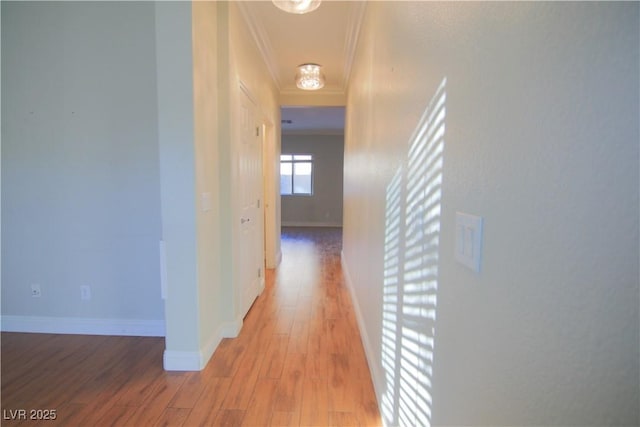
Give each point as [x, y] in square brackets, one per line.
[468, 240]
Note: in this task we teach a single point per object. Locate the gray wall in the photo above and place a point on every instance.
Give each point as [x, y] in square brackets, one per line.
[324, 207]
[80, 174]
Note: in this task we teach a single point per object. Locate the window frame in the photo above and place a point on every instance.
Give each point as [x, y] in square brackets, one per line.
[306, 158]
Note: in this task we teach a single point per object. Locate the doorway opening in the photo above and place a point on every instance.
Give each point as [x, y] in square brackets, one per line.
[311, 165]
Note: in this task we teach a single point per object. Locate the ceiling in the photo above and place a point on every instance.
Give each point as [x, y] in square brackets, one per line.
[326, 36]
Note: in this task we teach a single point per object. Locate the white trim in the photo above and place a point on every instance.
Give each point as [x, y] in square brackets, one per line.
[354, 24]
[181, 360]
[231, 329]
[197, 360]
[309, 224]
[83, 326]
[376, 375]
[245, 89]
[262, 41]
[205, 354]
[278, 258]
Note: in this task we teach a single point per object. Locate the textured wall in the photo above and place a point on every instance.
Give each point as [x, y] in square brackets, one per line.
[541, 139]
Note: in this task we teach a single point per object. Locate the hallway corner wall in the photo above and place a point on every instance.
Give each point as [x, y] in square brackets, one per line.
[174, 57]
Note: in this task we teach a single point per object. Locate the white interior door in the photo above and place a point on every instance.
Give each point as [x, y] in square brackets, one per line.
[251, 254]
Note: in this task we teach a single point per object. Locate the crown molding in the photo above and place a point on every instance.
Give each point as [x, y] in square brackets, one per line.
[262, 41]
[354, 23]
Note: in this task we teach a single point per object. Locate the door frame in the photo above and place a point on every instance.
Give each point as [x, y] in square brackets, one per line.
[237, 201]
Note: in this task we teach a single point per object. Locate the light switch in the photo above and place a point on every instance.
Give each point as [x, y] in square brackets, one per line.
[468, 240]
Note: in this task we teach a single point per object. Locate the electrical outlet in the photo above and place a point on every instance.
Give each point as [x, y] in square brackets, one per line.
[35, 291]
[85, 293]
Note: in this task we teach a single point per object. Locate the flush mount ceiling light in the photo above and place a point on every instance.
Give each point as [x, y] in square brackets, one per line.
[309, 77]
[297, 6]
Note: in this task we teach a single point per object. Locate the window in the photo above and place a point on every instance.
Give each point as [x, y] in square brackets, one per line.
[296, 174]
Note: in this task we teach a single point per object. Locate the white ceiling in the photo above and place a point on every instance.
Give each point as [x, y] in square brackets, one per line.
[326, 36]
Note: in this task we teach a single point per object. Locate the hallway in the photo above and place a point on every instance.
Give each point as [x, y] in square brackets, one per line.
[299, 358]
[300, 343]
[298, 361]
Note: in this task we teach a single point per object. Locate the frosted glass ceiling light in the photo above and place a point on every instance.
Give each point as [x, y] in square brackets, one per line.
[309, 77]
[297, 6]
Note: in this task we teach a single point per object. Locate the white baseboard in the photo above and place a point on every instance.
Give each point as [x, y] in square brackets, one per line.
[310, 224]
[376, 375]
[197, 360]
[231, 329]
[205, 353]
[83, 326]
[182, 360]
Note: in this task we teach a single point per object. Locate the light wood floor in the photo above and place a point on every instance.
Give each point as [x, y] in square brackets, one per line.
[297, 362]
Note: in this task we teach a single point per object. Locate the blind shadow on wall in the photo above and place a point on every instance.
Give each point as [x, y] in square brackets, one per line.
[412, 236]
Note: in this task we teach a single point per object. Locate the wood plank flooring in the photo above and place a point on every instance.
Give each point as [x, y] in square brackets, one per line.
[297, 362]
